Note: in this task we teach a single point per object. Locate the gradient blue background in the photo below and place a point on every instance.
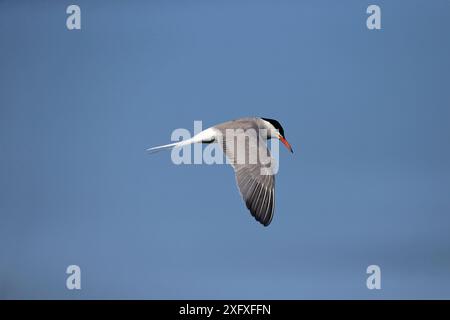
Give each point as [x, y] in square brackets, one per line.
[367, 112]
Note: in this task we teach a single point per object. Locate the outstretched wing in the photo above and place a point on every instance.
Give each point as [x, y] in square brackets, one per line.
[248, 154]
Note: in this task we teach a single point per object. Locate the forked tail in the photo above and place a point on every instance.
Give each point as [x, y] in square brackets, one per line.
[206, 136]
[164, 147]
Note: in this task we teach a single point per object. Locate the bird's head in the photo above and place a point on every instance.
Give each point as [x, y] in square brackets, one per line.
[275, 130]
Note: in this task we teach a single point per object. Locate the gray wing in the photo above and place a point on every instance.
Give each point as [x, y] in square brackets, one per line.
[255, 179]
[258, 192]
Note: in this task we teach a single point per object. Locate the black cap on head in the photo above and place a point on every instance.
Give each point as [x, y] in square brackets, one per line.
[276, 124]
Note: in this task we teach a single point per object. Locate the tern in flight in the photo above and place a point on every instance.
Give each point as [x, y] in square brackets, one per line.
[251, 160]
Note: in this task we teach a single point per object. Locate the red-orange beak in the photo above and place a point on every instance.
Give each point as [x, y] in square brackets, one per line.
[286, 143]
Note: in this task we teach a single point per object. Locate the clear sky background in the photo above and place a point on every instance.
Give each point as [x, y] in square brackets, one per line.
[367, 112]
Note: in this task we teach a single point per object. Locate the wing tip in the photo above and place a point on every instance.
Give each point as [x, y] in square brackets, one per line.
[260, 219]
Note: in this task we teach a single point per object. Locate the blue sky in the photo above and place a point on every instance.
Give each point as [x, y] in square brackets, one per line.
[367, 113]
